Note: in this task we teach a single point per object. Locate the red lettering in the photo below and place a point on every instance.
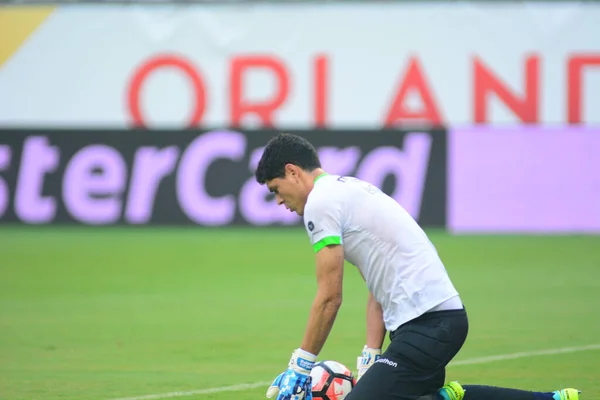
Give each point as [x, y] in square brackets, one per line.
[487, 83]
[165, 61]
[320, 109]
[264, 110]
[414, 79]
[575, 78]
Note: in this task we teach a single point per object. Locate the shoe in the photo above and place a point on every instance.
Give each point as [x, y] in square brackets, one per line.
[453, 391]
[566, 394]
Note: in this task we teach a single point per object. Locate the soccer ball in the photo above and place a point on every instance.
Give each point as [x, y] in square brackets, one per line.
[331, 380]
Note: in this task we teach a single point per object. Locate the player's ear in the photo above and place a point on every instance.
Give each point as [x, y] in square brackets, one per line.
[289, 170]
[292, 171]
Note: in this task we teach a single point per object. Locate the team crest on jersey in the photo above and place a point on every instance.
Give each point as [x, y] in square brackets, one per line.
[311, 226]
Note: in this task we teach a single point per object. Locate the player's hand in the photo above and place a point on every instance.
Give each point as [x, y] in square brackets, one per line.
[291, 385]
[295, 383]
[368, 358]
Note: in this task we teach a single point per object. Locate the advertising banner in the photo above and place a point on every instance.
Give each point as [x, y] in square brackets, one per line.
[251, 66]
[199, 177]
[536, 180]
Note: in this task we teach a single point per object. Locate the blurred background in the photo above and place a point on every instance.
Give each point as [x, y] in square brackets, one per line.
[140, 259]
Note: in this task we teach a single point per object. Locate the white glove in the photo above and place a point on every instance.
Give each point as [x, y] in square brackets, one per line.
[368, 358]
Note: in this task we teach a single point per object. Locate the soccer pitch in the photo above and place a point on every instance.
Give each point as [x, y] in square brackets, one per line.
[109, 313]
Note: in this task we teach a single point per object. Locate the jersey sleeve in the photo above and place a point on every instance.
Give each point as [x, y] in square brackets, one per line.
[323, 223]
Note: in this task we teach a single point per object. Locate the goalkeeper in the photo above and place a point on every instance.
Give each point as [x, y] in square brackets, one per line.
[411, 295]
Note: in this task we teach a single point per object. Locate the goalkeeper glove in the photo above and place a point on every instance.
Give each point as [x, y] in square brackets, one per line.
[368, 358]
[295, 383]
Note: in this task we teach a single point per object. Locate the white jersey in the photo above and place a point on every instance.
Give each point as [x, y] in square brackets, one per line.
[400, 265]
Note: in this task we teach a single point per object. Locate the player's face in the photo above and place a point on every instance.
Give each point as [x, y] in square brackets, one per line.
[289, 192]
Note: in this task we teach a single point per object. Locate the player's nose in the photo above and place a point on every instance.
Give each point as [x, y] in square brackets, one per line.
[279, 199]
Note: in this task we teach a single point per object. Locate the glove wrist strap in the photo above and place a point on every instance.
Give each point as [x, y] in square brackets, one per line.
[371, 350]
[302, 361]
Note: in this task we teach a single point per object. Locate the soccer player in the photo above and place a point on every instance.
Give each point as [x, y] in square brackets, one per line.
[410, 293]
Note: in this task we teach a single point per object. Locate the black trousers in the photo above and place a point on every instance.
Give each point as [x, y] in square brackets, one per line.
[414, 364]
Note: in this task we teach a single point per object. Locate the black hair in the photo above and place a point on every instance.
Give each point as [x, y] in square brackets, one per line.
[283, 149]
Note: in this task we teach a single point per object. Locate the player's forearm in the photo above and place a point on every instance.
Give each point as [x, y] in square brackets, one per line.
[375, 325]
[320, 321]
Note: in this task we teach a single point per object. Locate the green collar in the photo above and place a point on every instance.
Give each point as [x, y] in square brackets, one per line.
[320, 176]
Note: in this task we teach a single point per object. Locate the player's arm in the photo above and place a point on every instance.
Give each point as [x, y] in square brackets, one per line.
[329, 272]
[323, 224]
[375, 336]
[375, 326]
[330, 267]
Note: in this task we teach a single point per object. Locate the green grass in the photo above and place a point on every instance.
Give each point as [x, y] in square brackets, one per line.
[99, 314]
